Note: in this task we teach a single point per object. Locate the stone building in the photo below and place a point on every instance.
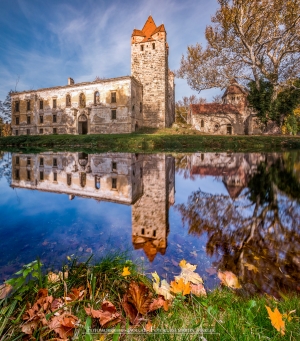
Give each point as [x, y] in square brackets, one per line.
[145, 182]
[105, 106]
[233, 116]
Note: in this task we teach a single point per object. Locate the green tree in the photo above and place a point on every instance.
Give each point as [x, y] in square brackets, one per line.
[5, 108]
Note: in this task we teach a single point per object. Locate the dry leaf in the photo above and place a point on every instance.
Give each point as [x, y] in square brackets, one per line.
[251, 267]
[180, 287]
[126, 271]
[107, 316]
[76, 294]
[29, 327]
[148, 326]
[53, 277]
[163, 289]
[287, 316]
[63, 325]
[5, 290]
[140, 296]
[157, 303]
[229, 279]
[276, 320]
[130, 310]
[198, 290]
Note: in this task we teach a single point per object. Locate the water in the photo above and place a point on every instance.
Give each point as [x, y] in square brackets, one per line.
[235, 212]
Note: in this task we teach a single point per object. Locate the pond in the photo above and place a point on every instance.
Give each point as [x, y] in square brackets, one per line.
[219, 211]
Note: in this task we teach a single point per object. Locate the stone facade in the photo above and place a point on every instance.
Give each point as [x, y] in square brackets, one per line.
[105, 106]
[232, 117]
[149, 65]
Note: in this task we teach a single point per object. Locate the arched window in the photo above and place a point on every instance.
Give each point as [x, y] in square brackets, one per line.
[68, 101]
[202, 123]
[97, 182]
[96, 98]
[82, 100]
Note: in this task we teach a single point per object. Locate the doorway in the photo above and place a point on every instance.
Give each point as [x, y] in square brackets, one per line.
[229, 129]
[82, 125]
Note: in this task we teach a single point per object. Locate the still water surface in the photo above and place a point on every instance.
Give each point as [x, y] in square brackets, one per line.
[220, 211]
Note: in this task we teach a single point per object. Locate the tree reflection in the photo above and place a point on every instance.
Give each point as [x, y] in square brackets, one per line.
[5, 166]
[261, 227]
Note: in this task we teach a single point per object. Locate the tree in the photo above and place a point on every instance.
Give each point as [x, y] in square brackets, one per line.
[182, 107]
[5, 108]
[248, 40]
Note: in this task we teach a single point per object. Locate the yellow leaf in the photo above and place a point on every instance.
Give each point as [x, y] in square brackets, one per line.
[251, 267]
[188, 274]
[156, 277]
[69, 258]
[126, 271]
[229, 279]
[182, 263]
[287, 316]
[180, 287]
[276, 320]
[256, 258]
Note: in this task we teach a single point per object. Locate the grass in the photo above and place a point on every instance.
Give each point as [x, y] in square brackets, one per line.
[228, 314]
[180, 139]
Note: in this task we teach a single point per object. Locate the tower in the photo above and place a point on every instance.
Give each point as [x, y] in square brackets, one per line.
[149, 65]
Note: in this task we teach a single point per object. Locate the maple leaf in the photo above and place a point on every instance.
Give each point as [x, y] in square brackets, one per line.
[63, 324]
[140, 296]
[188, 274]
[108, 315]
[180, 287]
[198, 290]
[126, 271]
[276, 320]
[76, 294]
[157, 303]
[251, 267]
[5, 290]
[229, 279]
[164, 289]
[130, 310]
[148, 326]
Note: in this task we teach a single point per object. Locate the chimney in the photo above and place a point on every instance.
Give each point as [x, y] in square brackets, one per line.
[70, 81]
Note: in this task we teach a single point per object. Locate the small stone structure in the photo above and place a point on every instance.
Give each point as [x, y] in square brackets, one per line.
[232, 116]
[105, 106]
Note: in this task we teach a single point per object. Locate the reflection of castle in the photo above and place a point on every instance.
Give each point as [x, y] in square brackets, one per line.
[144, 181]
[234, 169]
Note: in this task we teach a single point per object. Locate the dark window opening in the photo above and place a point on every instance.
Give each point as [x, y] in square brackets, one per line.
[113, 183]
[28, 132]
[133, 172]
[97, 182]
[114, 114]
[28, 161]
[114, 166]
[28, 119]
[41, 131]
[17, 106]
[17, 160]
[17, 120]
[114, 97]
[69, 179]
[82, 100]
[82, 179]
[229, 129]
[41, 175]
[28, 175]
[17, 132]
[202, 157]
[54, 104]
[54, 118]
[153, 46]
[142, 47]
[41, 161]
[143, 231]
[17, 174]
[28, 105]
[41, 119]
[141, 107]
[41, 104]
[54, 176]
[202, 123]
[68, 101]
[154, 233]
[54, 131]
[141, 172]
[55, 162]
[133, 108]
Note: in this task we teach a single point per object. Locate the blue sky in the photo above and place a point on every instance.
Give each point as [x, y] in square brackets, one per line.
[45, 42]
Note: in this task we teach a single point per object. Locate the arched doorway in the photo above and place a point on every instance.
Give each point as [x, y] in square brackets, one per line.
[82, 125]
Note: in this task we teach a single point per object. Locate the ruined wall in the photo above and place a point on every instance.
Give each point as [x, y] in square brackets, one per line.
[150, 214]
[150, 67]
[170, 118]
[112, 177]
[56, 116]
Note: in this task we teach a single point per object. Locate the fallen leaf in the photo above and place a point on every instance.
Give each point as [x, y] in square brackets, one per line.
[148, 326]
[53, 277]
[164, 289]
[140, 296]
[5, 290]
[130, 310]
[251, 267]
[287, 316]
[126, 271]
[157, 303]
[229, 279]
[108, 315]
[198, 290]
[180, 287]
[166, 305]
[29, 327]
[76, 294]
[276, 320]
[63, 324]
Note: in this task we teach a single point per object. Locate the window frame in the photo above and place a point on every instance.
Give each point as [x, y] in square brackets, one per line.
[113, 114]
[113, 97]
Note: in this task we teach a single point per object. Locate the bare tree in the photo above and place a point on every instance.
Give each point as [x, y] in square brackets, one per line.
[182, 106]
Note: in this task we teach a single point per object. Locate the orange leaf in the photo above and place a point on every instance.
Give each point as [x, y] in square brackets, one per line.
[148, 326]
[198, 290]
[5, 290]
[126, 271]
[140, 296]
[157, 303]
[229, 279]
[276, 320]
[180, 287]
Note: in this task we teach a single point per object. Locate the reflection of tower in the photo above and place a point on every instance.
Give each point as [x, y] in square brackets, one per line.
[150, 214]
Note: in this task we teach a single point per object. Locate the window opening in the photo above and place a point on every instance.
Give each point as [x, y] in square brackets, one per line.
[17, 132]
[17, 160]
[41, 104]
[54, 118]
[28, 175]
[69, 179]
[82, 100]
[41, 175]
[114, 97]
[202, 123]
[153, 46]
[54, 103]
[17, 106]
[82, 179]
[154, 233]
[55, 162]
[41, 131]
[97, 182]
[114, 114]
[28, 132]
[114, 166]
[28, 105]
[41, 161]
[17, 120]
[68, 101]
[142, 47]
[114, 183]
[17, 174]
[28, 119]
[96, 97]
[28, 161]
[41, 119]
[54, 131]
[54, 176]
[143, 231]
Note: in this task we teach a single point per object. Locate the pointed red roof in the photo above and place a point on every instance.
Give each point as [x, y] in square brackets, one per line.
[149, 29]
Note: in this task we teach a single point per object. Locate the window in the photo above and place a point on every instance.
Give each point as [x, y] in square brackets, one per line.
[96, 97]
[54, 131]
[82, 100]
[141, 172]
[17, 120]
[68, 101]
[28, 132]
[28, 175]
[202, 157]
[17, 106]
[54, 103]
[41, 175]
[54, 176]
[41, 104]
[154, 233]
[82, 179]
[28, 105]
[28, 119]
[41, 119]
[41, 161]
[17, 174]
[143, 231]
[114, 183]
[28, 161]
[153, 46]
[41, 131]
[114, 97]
[97, 182]
[54, 118]
[17, 132]
[141, 107]
[55, 162]
[114, 114]
[142, 47]
[114, 166]
[69, 179]
[133, 108]
[17, 160]
[202, 123]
